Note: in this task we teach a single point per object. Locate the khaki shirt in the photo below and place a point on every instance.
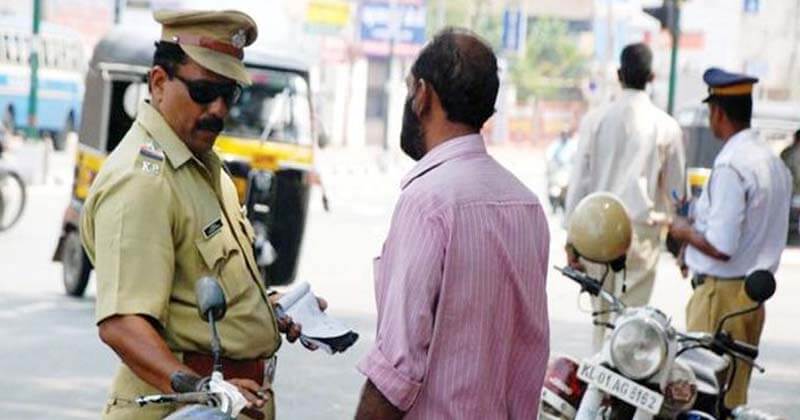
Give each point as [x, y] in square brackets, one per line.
[156, 220]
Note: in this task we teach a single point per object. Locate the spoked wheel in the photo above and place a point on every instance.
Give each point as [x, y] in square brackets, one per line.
[75, 265]
[12, 198]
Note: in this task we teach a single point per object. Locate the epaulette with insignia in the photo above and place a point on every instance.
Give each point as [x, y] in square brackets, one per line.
[150, 158]
[151, 151]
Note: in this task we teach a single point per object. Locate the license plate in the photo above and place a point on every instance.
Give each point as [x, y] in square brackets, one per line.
[621, 387]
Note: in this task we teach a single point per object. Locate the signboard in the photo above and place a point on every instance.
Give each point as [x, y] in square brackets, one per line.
[514, 31]
[752, 6]
[398, 25]
[327, 15]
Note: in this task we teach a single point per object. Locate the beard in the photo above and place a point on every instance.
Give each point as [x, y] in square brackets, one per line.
[411, 135]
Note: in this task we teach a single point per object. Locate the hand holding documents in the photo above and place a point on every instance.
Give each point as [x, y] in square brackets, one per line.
[318, 328]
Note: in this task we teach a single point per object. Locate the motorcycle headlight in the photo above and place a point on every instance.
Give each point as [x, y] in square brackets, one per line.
[638, 347]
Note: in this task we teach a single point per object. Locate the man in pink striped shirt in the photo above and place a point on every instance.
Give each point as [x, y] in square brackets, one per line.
[460, 286]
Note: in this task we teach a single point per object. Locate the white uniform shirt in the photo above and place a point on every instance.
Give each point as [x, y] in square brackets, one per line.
[744, 210]
[634, 150]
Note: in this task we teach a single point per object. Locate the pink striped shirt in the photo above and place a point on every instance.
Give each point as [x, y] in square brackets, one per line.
[463, 330]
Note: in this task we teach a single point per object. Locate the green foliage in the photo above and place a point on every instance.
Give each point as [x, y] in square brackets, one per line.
[477, 15]
[552, 65]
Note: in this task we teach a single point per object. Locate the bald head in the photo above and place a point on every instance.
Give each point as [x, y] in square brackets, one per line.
[462, 70]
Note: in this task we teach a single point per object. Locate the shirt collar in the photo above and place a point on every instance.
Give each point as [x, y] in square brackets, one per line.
[735, 139]
[633, 94]
[153, 122]
[447, 150]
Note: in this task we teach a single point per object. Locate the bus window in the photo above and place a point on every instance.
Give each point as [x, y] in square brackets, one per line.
[13, 48]
[3, 49]
[24, 43]
[46, 53]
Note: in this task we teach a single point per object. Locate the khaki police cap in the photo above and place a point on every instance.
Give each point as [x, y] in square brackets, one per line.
[213, 39]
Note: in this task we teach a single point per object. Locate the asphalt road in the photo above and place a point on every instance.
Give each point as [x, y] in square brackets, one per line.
[53, 365]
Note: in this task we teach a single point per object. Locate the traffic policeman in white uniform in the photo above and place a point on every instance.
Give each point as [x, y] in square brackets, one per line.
[634, 150]
[740, 220]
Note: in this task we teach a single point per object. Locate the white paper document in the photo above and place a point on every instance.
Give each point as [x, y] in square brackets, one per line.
[326, 332]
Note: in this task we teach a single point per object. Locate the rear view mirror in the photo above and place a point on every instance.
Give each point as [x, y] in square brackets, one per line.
[210, 299]
[760, 285]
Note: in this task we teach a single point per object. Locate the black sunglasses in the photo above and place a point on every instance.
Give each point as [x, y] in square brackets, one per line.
[204, 92]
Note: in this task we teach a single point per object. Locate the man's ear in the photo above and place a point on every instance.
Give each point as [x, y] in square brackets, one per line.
[155, 80]
[422, 99]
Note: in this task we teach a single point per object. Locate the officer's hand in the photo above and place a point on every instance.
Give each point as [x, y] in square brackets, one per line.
[572, 258]
[256, 395]
[681, 260]
[680, 228]
[292, 329]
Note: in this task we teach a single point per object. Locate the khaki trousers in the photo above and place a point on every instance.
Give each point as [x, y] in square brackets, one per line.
[638, 278]
[709, 303]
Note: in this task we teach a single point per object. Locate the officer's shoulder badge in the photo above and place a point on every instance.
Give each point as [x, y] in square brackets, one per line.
[151, 150]
[150, 158]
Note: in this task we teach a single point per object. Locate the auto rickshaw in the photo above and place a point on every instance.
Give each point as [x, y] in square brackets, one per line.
[267, 146]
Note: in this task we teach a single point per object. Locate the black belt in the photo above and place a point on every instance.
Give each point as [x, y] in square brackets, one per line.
[699, 279]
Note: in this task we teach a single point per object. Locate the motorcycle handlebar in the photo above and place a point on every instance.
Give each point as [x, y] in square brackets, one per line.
[723, 344]
[745, 349]
[184, 397]
[588, 284]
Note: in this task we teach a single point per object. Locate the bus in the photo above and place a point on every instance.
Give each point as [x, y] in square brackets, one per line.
[62, 67]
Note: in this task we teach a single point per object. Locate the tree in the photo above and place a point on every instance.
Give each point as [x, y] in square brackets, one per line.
[552, 66]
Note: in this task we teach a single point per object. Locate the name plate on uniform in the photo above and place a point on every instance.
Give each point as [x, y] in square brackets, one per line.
[212, 228]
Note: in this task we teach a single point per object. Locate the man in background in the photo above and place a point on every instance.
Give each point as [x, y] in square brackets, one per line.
[635, 151]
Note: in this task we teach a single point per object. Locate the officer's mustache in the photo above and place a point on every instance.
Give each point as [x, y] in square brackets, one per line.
[212, 124]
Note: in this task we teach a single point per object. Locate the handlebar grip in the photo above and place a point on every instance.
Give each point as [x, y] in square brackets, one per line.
[587, 283]
[745, 349]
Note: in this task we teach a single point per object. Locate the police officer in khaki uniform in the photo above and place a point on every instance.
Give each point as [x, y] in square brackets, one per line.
[739, 223]
[162, 213]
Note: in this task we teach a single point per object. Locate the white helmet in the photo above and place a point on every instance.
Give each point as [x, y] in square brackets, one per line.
[600, 229]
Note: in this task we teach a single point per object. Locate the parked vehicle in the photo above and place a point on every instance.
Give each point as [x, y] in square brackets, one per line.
[559, 157]
[60, 78]
[267, 146]
[648, 370]
[12, 195]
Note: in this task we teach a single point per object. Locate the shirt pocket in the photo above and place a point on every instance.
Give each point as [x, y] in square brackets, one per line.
[223, 260]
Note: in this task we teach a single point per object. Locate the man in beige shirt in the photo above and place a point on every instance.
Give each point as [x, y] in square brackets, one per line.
[162, 213]
[633, 150]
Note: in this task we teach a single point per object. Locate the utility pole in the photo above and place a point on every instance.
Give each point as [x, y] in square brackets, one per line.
[669, 15]
[395, 23]
[34, 65]
[674, 14]
[609, 53]
[441, 15]
[119, 6]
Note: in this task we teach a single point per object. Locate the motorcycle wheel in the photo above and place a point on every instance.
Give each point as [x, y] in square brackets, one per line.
[75, 265]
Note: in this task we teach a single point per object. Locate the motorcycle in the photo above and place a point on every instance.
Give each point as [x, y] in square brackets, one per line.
[213, 398]
[559, 158]
[649, 370]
